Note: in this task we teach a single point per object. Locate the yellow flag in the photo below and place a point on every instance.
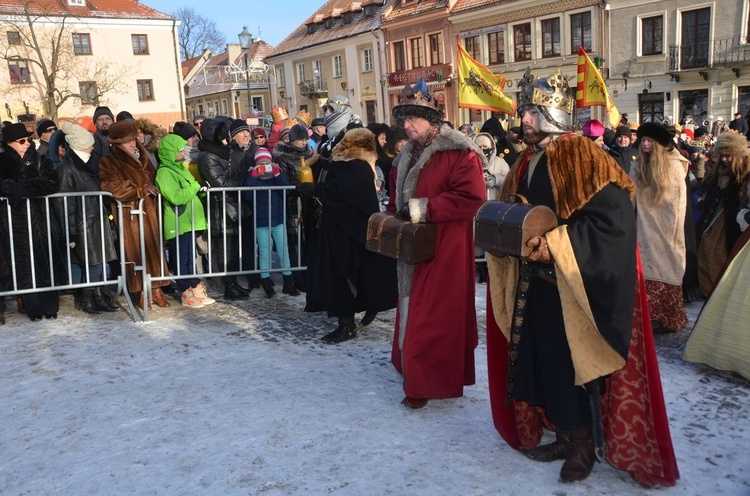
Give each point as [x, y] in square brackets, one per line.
[479, 88]
[591, 91]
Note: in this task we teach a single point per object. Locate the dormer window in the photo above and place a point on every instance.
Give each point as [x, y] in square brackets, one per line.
[348, 18]
[77, 3]
[328, 23]
[369, 11]
[310, 28]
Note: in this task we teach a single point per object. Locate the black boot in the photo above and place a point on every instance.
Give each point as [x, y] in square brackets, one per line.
[343, 332]
[580, 461]
[86, 301]
[367, 319]
[482, 272]
[557, 450]
[233, 291]
[267, 284]
[102, 301]
[289, 286]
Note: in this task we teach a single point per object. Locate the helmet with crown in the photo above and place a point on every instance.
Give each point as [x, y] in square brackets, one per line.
[553, 98]
[416, 101]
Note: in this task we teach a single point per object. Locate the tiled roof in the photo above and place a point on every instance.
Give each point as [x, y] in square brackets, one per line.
[334, 11]
[467, 5]
[117, 9]
[403, 11]
[188, 64]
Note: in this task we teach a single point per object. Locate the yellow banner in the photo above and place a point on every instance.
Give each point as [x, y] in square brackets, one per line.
[591, 90]
[479, 88]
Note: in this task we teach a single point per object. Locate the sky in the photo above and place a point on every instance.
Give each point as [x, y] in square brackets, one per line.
[275, 19]
[242, 398]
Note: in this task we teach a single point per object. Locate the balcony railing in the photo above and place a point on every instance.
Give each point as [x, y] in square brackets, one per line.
[313, 86]
[719, 52]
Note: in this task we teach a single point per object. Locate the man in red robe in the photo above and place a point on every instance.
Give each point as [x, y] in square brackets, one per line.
[439, 180]
[568, 335]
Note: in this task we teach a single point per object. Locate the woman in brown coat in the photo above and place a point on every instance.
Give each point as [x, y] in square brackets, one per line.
[128, 175]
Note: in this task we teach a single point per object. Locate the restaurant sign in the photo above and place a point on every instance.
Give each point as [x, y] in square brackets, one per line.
[432, 73]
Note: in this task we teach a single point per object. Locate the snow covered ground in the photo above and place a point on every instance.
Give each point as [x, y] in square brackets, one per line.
[243, 398]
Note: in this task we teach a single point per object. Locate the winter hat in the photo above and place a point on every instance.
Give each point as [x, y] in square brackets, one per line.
[262, 155]
[622, 131]
[284, 134]
[77, 137]
[258, 131]
[694, 149]
[700, 132]
[318, 121]
[727, 144]
[184, 129]
[720, 118]
[43, 125]
[14, 132]
[124, 116]
[687, 133]
[593, 129]
[122, 132]
[298, 132]
[103, 111]
[238, 125]
[656, 132]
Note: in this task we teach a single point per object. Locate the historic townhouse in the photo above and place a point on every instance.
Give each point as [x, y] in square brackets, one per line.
[119, 53]
[337, 51]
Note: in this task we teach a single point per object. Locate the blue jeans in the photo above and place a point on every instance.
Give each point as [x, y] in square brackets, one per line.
[182, 263]
[264, 248]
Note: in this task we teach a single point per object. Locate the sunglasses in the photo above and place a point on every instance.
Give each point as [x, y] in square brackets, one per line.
[23, 141]
[49, 130]
[259, 137]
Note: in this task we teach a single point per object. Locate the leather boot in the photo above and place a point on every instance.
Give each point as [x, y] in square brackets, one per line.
[267, 285]
[557, 450]
[368, 318]
[343, 332]
[289, 286]
[580, 462]
[233, 291]
[86, 302]
[20, 305]
[102, 301]
[159, 298]
[2, 318]
[140, 301]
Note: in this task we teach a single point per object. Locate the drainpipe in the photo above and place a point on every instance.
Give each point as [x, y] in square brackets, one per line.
[178, 67]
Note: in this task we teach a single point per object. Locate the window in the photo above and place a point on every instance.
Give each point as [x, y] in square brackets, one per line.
[280, 79]
[145, 89]
[522, 42]
[317, 71]
[367, 60]
[696, 25]
[399, 56]
[300, 73]
[140, 44]
[310, 28]
[651, 107]
[224, 107]
[496, 44]
[347, 17]
[695, 103]
[551, 38]
[436, 49]
[652, 31]
[580, 32]
[328, 23]
[257, 104]
[369, 11]
[472, 47]
[82, 43]
[87, 89]
[416, 53]
[338, 69]
[19, 71]
[77, 3]
[743, 95]
[14, 38]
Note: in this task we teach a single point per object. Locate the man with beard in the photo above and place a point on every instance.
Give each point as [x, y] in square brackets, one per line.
[717, 230]
[103, 118]
[562, 320]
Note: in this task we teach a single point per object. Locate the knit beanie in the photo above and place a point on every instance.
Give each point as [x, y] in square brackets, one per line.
[77, 137]
[622, 131]
[185, 130]
[258, 131]
[298, 132]
[43, 125]
[284, 134]
[238, 125]
[103, 111]
[124, 116]
[262, 155]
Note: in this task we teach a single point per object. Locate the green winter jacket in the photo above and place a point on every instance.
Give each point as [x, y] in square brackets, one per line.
[178, 188]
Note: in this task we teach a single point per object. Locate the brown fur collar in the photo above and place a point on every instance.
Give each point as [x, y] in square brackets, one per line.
[574, 185]
[357, 143]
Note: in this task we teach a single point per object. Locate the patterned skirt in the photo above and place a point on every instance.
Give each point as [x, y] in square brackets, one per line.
[665, 305]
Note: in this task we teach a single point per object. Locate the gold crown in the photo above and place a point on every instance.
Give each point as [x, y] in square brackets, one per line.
[279, 114]
[304, 117]
[551, 92]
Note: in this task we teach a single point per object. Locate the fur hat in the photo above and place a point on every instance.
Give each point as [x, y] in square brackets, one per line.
[43, 125]
[416, 101]
[77, 137]
[238, 125]
[258, 131]
[593, 128]
[656, 132]
[99, 111]
[731, 144]
[357, 143]
[298, 132]
[14, 132]
[185, 130]
[122, 132]
[262, 154]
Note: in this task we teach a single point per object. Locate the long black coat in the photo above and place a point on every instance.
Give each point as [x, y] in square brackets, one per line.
[31, 177]
[76, 176]
[340, 261]
[214, 166]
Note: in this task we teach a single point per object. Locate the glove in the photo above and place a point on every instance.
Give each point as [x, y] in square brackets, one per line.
[204, 186]
[742, 218]
[404, 213]
[489, 179]
[306, 190]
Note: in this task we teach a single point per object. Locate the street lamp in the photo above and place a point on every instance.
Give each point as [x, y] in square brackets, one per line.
[245, 40]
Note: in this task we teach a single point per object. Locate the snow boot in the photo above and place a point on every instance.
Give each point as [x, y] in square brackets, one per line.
[102, 301]
[232, 289]
[267, 284]
[86, 302]
[289, 286]
[343, 332]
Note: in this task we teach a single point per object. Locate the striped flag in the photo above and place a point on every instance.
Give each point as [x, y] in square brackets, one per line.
[479, 88]
[591, 91]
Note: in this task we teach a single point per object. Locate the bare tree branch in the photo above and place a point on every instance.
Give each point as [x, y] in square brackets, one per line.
[197, 33]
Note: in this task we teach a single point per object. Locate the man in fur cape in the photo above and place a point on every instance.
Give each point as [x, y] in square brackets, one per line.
[568, 335]
[439, 180]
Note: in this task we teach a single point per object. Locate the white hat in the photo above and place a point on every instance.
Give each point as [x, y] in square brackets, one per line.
[77, 137]
[720, 118]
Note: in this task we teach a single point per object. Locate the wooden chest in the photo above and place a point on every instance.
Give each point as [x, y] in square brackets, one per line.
[504, 227]
[400, 239]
